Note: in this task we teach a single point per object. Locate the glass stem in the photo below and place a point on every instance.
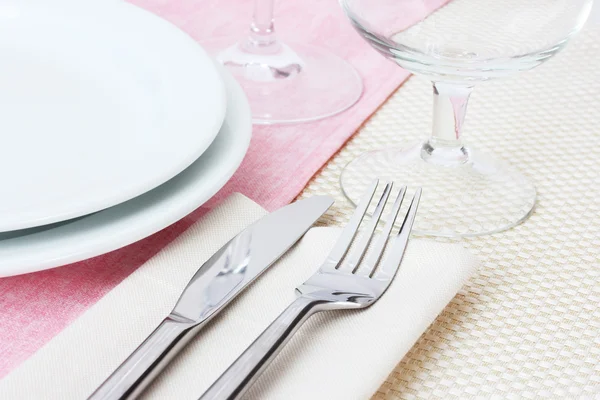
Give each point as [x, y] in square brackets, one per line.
[261, 38]
[445, 146]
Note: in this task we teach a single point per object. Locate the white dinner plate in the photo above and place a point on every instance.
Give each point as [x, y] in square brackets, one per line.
[67, 242]
[100, 102]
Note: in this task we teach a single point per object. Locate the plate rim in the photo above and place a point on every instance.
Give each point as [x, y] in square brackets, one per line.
[84, 237]
[193, 53]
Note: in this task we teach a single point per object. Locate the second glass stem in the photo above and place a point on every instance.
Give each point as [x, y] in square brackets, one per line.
[262, 32]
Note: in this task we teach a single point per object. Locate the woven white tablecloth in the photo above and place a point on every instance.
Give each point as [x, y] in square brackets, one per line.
[528, 324]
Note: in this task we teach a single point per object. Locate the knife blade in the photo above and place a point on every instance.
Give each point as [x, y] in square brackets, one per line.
[222, 277]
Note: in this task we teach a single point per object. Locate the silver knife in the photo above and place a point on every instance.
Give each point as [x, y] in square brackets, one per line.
[214, 285]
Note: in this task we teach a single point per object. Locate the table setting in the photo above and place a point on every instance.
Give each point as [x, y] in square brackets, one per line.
[224, 199]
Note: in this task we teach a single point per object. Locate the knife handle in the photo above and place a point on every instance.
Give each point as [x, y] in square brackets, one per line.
[146, 362]
[248, 367]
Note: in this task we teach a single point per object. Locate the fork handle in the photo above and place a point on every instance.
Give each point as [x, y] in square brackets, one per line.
[248, 367]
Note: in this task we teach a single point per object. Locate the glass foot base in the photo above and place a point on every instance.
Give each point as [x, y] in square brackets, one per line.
[479, 197]
[289, 84]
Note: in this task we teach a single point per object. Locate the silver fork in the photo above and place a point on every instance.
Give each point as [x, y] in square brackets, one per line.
[342, 282]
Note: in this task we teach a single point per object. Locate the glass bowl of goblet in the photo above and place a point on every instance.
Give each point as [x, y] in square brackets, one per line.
[456, 45]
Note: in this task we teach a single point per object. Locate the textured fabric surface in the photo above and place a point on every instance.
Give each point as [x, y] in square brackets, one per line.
[327, 359]
[527, 325]
[280, 162]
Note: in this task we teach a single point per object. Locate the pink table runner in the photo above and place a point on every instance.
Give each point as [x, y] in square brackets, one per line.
[281, 160]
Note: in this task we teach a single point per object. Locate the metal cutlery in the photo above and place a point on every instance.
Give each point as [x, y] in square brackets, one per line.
[344, 281]
[214, 285]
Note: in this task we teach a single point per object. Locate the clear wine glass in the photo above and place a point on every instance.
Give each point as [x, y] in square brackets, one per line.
[462, 43]
[286, 83]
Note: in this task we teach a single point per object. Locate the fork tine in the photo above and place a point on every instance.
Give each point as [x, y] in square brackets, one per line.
[368, 266]
[349, 233]
[390, 265]
[353, 260]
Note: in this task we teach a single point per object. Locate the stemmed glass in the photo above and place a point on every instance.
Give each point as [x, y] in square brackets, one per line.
[463, 43]
[286, 83]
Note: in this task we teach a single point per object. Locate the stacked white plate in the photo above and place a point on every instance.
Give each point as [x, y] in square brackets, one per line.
[114, 125]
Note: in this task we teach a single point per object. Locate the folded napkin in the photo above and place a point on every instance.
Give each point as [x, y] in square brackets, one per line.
[335, 355]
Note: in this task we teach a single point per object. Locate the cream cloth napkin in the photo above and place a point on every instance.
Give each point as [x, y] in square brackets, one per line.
[335, 355]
